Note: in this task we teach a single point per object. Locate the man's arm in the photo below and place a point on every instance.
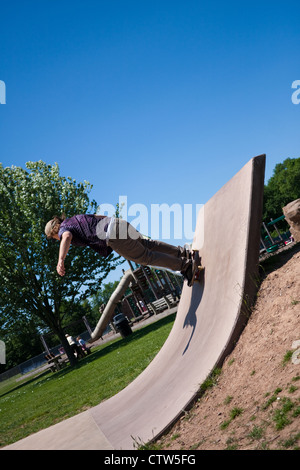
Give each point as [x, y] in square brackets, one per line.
[65, 243]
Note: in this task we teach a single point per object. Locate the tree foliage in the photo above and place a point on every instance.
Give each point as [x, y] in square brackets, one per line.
[282, 188]
[30, 285]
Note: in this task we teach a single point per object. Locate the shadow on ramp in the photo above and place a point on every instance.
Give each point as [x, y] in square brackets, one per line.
[190, 321]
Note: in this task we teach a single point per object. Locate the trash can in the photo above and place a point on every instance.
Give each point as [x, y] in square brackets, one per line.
[121, 325]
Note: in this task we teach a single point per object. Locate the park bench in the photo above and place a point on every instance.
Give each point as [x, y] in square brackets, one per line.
[162, 304]
[57, 362]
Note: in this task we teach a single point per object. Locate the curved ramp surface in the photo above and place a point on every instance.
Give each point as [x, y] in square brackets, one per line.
[209, 320]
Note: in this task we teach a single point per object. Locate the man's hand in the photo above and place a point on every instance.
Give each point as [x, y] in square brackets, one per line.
[66, 239]
[60, 268]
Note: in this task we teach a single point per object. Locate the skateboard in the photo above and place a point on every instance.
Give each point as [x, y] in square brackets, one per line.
[197, 268]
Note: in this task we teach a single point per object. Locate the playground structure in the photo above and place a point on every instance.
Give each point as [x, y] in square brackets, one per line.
[210, 318]
[270, 243]
[150, 287]
[141, 291]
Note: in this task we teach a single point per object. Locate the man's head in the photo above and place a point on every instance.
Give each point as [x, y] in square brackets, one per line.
[52, 227]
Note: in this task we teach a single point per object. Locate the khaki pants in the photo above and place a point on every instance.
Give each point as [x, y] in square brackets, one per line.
[129, 243]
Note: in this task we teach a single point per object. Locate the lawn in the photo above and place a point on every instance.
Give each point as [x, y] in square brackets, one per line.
[27, 407]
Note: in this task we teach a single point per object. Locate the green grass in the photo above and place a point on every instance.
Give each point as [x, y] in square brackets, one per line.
[41, 401]
[211, 380]
[281, 415]
[287, 358]
[233, 414]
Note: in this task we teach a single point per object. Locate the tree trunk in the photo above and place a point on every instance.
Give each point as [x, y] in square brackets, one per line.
[68, 350]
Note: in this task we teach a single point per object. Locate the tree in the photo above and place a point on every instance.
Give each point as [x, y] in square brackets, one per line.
[22, 341]
[282, 188]
[30, 285]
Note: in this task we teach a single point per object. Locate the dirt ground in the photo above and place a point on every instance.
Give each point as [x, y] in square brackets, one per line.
[254, 402]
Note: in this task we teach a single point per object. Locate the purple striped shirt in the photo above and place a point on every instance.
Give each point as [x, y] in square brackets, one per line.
[84, 232]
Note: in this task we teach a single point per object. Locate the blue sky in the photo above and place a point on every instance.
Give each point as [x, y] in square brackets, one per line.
[161, 101]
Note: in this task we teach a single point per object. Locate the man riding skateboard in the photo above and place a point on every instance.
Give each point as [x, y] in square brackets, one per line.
[106, 234]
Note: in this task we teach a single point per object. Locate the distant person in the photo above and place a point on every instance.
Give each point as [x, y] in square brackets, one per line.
[74, 346]
[83, 345]
[105, 234]
[141, 305]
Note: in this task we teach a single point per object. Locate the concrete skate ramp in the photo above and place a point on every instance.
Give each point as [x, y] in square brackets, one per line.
[209, 320]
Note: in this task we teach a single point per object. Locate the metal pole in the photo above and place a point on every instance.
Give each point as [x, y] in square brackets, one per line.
[87, 325]
[269, 235]
[45, 344]
[279, 234]
[263, 243]
[149, 282]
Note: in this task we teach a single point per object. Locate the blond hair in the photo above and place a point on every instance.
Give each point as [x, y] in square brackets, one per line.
[52, 227]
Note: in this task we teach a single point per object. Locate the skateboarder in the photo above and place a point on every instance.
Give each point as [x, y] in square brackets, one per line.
[106, 234]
